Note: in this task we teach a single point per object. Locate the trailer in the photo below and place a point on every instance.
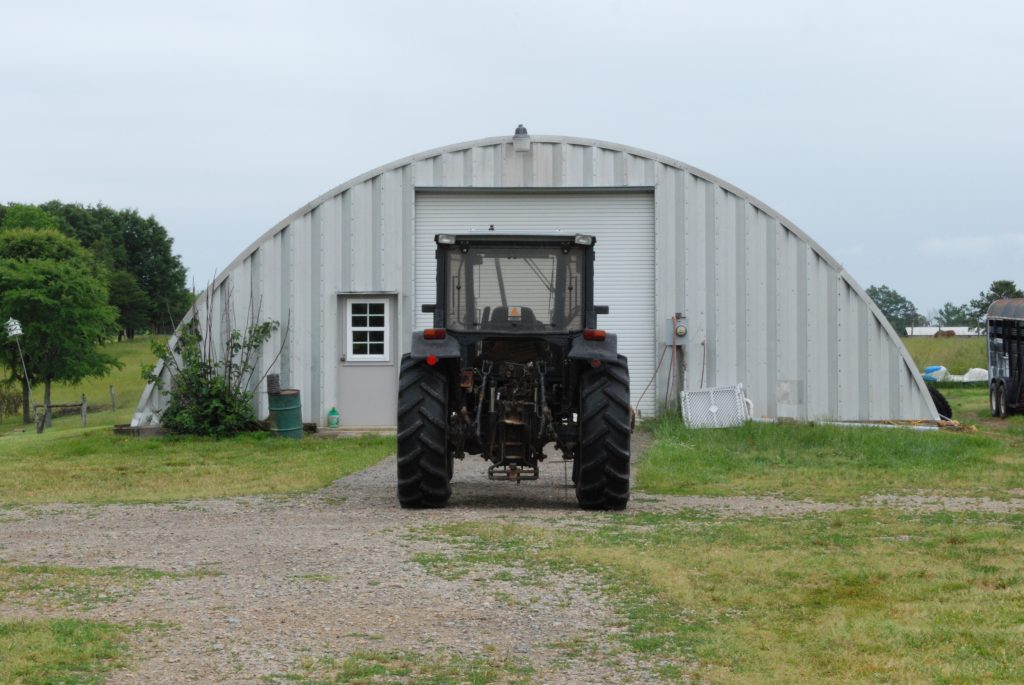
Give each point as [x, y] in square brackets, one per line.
[1006, 356]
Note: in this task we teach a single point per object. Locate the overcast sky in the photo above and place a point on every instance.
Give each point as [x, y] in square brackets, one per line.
[891, 132]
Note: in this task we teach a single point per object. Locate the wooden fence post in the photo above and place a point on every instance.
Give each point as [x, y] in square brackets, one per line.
[84, 409]
[113, 399]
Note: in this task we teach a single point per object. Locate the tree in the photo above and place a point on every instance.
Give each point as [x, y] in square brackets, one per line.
[131, 302]
[953, 315]
[29, 216]
[901, 312]
[999, 290]
[124, 240]
[59, 294]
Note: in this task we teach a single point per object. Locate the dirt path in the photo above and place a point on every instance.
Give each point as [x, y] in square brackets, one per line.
[332, 573]
[327, 573]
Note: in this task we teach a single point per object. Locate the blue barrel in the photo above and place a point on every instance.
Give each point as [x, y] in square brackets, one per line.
[286, 414]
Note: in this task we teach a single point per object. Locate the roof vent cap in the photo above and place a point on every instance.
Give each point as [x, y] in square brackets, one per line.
[521, 140]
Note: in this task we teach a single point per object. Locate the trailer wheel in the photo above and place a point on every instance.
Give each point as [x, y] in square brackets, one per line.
[423, 454]
[602, 471]
[997, 400]
[941, 403]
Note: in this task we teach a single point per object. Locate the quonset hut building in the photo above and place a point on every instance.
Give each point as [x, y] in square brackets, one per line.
[763, 304]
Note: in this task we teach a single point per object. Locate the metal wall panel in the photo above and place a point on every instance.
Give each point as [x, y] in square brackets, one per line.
[765, 304]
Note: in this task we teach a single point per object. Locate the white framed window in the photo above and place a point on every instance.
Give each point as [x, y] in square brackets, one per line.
[368, 332]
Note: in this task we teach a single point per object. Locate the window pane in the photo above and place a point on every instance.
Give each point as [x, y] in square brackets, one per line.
[377, 348]
[376, 336]
[376, 308]
[377, 321]
[359, 348]
[360, 307]
[360, 336]
[359, 321]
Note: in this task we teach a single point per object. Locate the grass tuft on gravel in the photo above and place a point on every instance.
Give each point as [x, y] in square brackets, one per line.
[64, 651]
[405, 667]
[94, 466]
[83, 588]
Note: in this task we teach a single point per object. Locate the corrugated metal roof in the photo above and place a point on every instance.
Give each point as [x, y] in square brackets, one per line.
[1006, 309]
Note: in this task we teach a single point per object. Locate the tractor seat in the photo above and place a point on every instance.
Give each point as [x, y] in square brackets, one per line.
[499, 319]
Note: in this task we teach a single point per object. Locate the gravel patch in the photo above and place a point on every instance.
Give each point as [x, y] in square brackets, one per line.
[931, 503]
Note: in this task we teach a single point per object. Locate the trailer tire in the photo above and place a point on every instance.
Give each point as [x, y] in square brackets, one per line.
[997, 400]
[602, 472]
[423, 453]
[941, 403]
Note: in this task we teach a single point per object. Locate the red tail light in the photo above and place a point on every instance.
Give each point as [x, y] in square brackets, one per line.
[432, 360]
[594, 334]
[434, 334]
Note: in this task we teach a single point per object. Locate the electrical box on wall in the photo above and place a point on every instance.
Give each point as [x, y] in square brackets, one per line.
[675, 330]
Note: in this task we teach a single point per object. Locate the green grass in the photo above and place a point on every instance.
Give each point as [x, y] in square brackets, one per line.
[824, 462]
[59, 651]
[852, 597]
[408, 668]
[95, 466]
[83, 588]
[956, 354]
[127, 381]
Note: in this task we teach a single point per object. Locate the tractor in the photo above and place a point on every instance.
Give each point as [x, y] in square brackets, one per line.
[515, 362]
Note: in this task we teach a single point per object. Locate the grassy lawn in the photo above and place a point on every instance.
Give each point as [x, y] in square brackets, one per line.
[956, 354]
[841, 464]
[127, 381]
[95, 466]
[862, 596]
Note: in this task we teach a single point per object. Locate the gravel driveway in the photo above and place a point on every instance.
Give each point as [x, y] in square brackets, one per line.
[325, 573]
[331, 572]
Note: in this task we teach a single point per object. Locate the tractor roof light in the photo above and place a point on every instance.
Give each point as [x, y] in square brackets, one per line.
[595, 334]
[581, 239]
[445, 239]
[434, 334]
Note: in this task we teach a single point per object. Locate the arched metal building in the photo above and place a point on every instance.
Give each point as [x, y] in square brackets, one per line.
[764, 304]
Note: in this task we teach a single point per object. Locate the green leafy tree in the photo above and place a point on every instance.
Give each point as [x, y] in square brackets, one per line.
[999, 290]
[953, 315]
[29, 216]
[59, 294]
[901, 312]
[124, 240]
[131, 302]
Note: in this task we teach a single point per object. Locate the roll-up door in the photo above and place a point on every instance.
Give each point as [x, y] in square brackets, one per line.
[623, 224]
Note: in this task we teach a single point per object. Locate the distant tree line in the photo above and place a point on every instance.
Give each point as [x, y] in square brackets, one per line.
[145, 280]
[902, 313]
[75, 277]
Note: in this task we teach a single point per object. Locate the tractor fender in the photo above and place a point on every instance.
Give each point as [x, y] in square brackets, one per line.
[606, 350]
[446, 348]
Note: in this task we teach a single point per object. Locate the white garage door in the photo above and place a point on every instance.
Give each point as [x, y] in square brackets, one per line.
[622, 222]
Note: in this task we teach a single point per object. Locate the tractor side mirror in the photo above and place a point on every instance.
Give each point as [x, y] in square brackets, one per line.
[600, 309]
[429, 308]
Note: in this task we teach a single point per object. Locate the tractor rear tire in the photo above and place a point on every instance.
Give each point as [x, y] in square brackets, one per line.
[941, 403]
[423, 459]
[602, 469]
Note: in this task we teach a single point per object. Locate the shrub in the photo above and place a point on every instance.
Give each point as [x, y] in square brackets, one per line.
[212, 393]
